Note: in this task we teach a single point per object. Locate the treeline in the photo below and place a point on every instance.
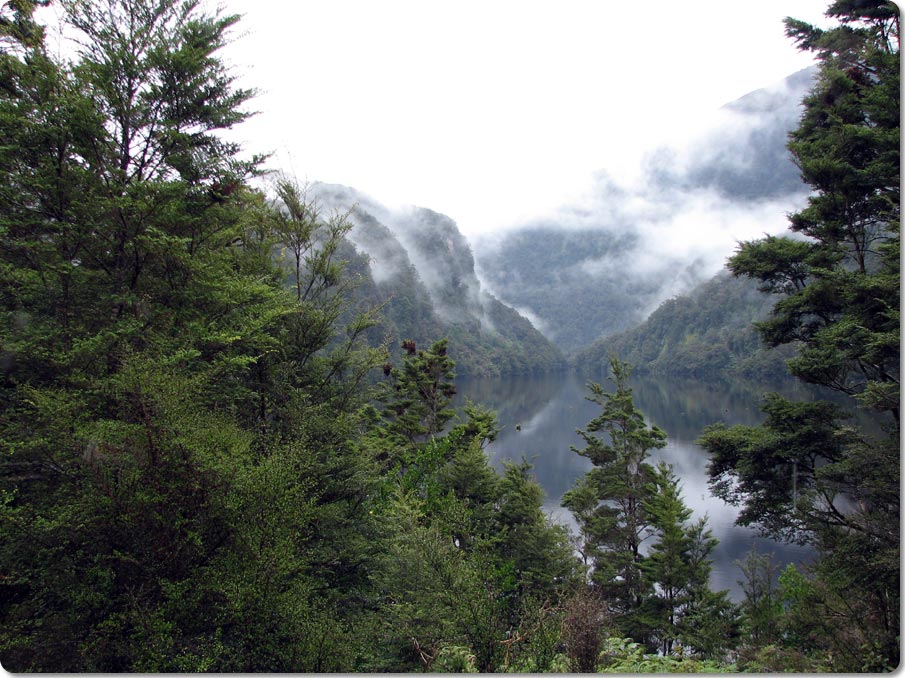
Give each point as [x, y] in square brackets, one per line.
[209, 465]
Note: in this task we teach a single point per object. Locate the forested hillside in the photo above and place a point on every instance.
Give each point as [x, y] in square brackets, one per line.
[211, 462]
[417, 266]
[706, 334]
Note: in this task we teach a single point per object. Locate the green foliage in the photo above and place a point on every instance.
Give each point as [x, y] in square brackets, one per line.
[804, 474]
[761, 608]
[181, 490]
[659, 596]
[541, 552]
[609, 502]
[416, 399]
[682, 611]
[473, 570]
[779, 470]
[622, 655]
[782, 632]
[706, 334]
[796, 478]
[456, 595]
[840, 289]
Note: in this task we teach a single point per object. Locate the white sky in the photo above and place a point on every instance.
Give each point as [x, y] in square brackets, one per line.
[495, 111]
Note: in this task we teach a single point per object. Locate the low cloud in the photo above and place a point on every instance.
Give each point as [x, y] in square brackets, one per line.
[683, 236]
[692, 202]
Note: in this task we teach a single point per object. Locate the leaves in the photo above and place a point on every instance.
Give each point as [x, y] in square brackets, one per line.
[794, 476]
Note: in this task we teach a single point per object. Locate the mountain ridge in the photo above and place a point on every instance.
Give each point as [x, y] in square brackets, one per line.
[708, 333]
[417, 265]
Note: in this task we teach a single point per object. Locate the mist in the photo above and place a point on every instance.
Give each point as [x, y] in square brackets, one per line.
[402, 239]
[672, 224]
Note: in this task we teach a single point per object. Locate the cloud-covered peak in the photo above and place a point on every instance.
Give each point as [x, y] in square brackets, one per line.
[664, 233]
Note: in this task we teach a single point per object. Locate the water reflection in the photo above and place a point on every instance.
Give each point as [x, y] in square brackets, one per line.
[539, 417]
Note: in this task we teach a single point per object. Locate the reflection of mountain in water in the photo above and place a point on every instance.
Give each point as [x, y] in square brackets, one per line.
[549, 409]
[538, 419]
[514, 399]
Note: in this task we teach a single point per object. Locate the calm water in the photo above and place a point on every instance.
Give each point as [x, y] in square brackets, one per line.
[539, 416]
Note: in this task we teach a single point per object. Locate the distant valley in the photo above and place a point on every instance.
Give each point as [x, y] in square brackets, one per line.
[603, 265]
[584, 280]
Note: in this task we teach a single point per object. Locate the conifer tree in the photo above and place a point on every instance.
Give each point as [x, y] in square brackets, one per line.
[146, 526]
[608, 502]
[807, 474]
[682, 610]
[417, 395]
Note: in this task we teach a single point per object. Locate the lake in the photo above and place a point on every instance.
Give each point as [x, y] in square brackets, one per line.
[539, 415]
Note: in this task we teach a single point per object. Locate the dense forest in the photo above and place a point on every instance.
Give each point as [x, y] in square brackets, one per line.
[223, 451]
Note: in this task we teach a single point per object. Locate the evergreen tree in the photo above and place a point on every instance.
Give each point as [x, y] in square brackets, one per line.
[608, 502]
[416, 397]
[805, 474]
[667, 563]
[682, 609]
[154, 516]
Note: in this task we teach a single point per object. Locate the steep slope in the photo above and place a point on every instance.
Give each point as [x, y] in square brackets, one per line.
[417, 265]
[705, 334]
[603, 264]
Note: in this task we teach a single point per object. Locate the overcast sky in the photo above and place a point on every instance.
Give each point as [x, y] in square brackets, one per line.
[494, 111]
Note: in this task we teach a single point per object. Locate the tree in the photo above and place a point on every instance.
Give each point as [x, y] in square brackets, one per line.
[584, 625]
[319, 356]
[667, 566]
[840, 287]
[417, 395]
[154, 518]
[608, 503]
[540, 551]
[682, 610]
[804, 474]
[761, 607]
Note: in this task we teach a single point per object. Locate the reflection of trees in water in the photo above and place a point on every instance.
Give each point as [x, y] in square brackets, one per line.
[734, 547]
[514, 399]
[683, 408]
[538, 417]
[550, 408]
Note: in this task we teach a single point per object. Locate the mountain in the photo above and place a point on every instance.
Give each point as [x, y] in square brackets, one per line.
[416, 264]
[705, 334]
[603, 264]
[567, 281]
[744, 157]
